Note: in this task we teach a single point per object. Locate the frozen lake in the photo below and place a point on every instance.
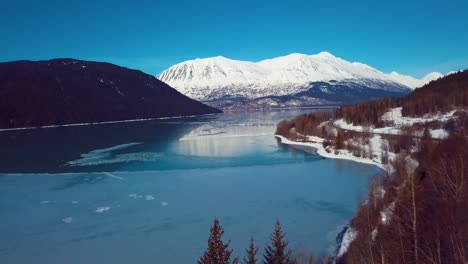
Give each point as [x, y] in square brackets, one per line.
[147, 192]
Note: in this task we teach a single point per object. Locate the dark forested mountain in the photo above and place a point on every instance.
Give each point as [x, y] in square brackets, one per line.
[67, 91]
[439, 95]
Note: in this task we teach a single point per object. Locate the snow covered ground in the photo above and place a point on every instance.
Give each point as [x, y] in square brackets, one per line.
[394, 116]
[348, 237]
[316, 143]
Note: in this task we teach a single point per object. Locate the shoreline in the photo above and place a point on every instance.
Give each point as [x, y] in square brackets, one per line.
[346, 236]
[102, 123]
[320, 150]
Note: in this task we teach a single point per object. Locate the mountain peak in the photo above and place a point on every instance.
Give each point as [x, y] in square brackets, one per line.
[325, 54]
[211, 58]
[413, 82]
[296, 54]
[213, 78]
[433, 76]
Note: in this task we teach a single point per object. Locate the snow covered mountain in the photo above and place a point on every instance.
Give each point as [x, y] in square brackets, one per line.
[219, 77]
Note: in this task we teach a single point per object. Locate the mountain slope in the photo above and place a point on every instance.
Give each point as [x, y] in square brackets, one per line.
[65, 91]
[214, 78]
[413, 82]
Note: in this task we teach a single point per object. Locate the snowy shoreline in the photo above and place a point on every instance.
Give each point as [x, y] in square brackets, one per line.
[348, 234]
[320, 150]
[102, 123]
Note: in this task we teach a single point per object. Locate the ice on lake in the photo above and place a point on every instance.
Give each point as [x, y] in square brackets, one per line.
[148, 189]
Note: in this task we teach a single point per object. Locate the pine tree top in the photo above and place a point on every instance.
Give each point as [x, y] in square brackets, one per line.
[251, 253]
[277, 252]
[217, 251]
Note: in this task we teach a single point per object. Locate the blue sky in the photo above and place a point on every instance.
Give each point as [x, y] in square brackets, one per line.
[411, 37]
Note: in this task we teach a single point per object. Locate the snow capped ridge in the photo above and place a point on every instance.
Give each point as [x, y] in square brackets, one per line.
[413, 82]
[324, 54]
[433, 76]
[216, 77]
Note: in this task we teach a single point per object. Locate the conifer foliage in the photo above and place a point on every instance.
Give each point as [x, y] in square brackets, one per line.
[277, 252]
[251, 253]
[217, 251]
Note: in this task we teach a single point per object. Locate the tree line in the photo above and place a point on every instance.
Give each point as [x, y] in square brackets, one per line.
[441, 95]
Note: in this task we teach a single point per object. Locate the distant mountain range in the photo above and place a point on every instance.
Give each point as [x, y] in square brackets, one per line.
[67, 91]
[288, 81]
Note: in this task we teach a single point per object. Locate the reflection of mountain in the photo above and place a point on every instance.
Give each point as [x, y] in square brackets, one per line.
[224, 141]
[47, 150]
[206, 142]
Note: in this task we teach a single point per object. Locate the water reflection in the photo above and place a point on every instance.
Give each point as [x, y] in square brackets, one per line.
[232, 139]
[51, 150]
[229, 166]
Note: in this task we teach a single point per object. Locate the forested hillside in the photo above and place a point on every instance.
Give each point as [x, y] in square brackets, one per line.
[68, 91]
[440, 95]
[445, 94]
[416, 209]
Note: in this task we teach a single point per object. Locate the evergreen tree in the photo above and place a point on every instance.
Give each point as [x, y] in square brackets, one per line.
[339, 141]
[276, 253]
[217, 251]
[251, 253]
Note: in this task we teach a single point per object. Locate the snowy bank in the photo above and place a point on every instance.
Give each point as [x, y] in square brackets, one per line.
[316, 143]
[397, 121]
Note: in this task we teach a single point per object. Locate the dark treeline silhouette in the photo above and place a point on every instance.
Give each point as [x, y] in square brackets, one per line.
[306, 124]
[440, 95]
[368, 113]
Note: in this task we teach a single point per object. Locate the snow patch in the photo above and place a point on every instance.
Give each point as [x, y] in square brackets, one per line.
[397, 121]
[386, 214]
[103, 209]
[149, 197]
[348, 238]
[67, 220]
[316, 143]
[439, 133]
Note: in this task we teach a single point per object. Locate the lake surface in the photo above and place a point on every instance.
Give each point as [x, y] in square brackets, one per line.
[147, 192]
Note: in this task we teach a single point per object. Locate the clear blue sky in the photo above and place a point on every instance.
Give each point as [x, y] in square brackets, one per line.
[411, 37]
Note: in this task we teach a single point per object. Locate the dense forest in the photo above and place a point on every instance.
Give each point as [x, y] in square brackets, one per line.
[439, 95]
